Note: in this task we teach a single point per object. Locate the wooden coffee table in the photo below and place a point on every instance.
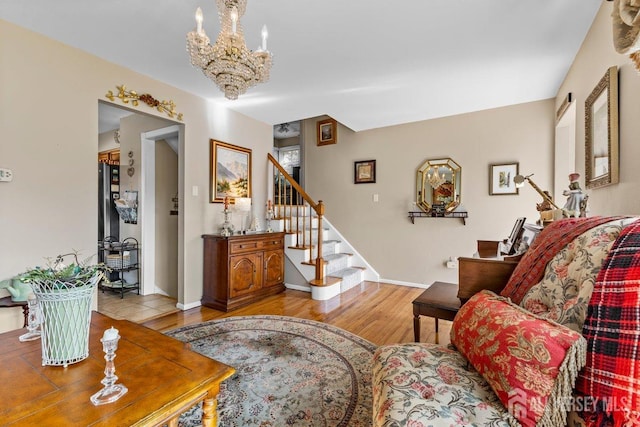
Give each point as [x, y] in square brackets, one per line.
[164, 379]
[439, 301]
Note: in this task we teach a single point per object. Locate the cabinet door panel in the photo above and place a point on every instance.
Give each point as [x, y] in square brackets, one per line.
[273, 268]
[245, 274]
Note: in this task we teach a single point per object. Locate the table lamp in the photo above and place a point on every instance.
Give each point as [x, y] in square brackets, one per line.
[243, 206]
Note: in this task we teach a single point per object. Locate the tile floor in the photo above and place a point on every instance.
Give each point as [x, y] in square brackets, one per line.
[134, 307]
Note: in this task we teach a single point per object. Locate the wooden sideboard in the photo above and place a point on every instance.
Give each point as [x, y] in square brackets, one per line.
[241, 269]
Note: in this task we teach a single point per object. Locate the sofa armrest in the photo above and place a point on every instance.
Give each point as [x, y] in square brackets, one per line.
[476, 274]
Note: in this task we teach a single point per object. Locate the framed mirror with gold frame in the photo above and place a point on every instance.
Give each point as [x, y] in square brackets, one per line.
[439, 181]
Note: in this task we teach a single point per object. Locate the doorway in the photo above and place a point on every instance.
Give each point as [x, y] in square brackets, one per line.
[288, 150]
[157, 296]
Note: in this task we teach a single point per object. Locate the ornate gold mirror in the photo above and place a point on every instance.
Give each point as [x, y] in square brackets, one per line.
[439, 181]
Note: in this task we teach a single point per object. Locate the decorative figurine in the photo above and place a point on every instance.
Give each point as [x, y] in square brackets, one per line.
[111, 391]
[575, 197]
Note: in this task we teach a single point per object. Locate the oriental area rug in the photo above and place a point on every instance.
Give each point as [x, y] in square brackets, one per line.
[289, 372]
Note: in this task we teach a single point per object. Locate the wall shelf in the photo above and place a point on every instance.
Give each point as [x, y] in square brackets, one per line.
[420, 214]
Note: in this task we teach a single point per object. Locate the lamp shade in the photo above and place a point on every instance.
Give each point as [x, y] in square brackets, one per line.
[243, 204]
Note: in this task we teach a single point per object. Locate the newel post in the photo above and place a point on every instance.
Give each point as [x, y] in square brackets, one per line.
[319, 259]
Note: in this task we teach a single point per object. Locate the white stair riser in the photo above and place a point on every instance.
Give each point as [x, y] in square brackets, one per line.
[351, 281]
[337, 264]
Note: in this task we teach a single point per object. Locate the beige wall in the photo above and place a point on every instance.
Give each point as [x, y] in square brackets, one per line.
[106, 142]
[596, 55]
[166, 224]
[49, 120]
[381, 231]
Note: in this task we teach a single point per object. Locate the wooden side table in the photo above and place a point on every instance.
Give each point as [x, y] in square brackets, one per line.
[7, 302]
[440, 301]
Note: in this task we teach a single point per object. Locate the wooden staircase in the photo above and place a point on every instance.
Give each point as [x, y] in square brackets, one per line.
[327, 264]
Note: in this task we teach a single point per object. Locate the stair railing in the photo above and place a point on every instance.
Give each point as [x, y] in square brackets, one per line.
[290, 197]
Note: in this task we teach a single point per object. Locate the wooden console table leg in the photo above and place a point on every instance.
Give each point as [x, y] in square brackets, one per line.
[209, 406]
[437, 331]
[416, 327]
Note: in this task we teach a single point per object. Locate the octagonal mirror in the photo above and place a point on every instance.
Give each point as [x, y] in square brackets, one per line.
[439, 181]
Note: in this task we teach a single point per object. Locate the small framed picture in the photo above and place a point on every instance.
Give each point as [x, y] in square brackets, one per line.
[364, 172]
[501, 179]
[327, 132]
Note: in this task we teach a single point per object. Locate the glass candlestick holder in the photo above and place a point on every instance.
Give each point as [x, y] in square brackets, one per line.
[111, 391]
[227, 228]
[269, 217]
[33, 320]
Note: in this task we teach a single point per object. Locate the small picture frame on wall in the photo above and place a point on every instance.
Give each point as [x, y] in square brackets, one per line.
[364, 172]
[501, 179]
[327, 132]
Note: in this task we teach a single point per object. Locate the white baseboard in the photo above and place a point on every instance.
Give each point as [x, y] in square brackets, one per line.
[298, 287]
[402, 283]
[184, 307]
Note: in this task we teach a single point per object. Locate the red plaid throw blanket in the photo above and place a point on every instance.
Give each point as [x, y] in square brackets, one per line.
[612, 329]
[551, 240]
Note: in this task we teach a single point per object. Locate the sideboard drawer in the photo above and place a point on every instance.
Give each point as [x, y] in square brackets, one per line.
[272, 243]
[244, 246]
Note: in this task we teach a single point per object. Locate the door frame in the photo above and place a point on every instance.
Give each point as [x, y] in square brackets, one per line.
[148, 207]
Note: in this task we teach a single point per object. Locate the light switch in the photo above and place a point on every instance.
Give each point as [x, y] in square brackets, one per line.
[375, 198]
[194, 190]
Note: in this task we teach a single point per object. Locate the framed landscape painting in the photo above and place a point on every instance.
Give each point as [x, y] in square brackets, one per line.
[327, 130]
[230, 172]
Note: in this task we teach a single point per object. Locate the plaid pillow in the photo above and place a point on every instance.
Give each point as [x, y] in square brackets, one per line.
[530, 363]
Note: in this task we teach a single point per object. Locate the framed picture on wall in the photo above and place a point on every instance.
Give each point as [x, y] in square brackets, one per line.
[501, 179]
[230, 171]
[601, 132]
[364, 172]
[327, 132]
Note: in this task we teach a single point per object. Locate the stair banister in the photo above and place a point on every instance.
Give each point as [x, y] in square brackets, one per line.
[317, 207]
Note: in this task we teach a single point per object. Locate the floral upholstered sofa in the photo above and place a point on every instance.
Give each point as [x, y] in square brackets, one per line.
[555, 348]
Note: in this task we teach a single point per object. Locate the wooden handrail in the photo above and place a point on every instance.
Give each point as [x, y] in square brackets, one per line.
[318, 207]
[293, 183]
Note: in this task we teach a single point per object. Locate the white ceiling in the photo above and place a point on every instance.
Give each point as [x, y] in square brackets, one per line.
[366, 63]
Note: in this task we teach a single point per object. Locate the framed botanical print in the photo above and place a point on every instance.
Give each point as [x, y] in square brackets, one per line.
[364, 172]
[501, 179]
[230, 171]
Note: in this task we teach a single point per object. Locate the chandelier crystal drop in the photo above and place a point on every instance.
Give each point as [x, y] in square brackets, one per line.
[435, 179]
[229, 63]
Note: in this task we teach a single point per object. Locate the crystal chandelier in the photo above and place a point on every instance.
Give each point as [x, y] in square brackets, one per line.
[435, 179]
[229, 63]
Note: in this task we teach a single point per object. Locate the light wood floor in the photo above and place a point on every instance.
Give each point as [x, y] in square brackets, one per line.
[378, 312]
[134, 307]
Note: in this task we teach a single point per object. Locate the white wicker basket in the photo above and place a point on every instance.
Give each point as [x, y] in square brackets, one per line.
[66, 310]
[118, 261]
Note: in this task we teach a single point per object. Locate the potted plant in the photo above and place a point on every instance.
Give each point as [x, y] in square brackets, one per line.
[64, 293]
